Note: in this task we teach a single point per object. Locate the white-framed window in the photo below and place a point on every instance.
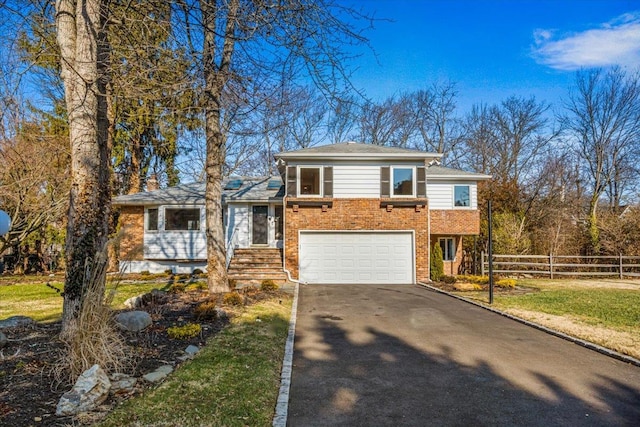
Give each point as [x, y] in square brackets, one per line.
[151, 223]
[310, 181]
[448, 246]
[182, 219]
[403, 182]
[462, 196]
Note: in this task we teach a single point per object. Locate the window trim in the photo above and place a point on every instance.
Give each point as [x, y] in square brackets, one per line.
[413, 181]
[194, 207]
[470, 206]
[455, 249]
[320, 180]
[159, 222]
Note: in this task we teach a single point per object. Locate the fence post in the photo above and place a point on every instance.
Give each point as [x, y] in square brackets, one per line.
[551, 265]
[620, 265]
[482, 263]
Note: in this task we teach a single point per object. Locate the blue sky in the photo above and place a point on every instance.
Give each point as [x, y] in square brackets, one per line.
[494, 48]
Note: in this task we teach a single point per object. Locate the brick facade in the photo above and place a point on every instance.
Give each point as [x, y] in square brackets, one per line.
[356, 214]
[131, 233]
[455, 222]
[450, 267]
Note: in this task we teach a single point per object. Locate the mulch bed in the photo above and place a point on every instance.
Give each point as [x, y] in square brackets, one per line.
[29, 391]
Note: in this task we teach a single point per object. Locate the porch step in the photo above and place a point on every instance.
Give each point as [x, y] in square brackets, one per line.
[253, 265]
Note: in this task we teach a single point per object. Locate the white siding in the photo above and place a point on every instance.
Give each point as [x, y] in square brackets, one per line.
[175, 245]
[440, 194]
[238, 221]
[182, 244]
[356, 181]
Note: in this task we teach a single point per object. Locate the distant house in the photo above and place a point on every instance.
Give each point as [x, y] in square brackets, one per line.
[341, 213]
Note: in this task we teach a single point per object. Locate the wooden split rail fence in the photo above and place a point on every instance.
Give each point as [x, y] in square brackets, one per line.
[563, 265]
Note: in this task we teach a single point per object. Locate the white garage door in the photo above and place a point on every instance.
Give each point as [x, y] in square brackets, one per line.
[359, 257]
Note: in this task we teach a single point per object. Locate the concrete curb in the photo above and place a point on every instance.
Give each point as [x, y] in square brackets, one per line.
[580, 342]
[282, 405]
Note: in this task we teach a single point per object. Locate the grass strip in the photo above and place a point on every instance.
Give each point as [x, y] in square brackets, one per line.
[44, 304]
[233, 381]
[617, 308]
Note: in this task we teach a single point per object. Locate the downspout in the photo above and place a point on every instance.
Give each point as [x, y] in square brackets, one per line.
[284, 236]
[428, 235]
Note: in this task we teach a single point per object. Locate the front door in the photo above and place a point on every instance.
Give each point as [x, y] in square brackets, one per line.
[260, 234]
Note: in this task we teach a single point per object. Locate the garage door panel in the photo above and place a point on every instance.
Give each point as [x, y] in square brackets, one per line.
[361, 257]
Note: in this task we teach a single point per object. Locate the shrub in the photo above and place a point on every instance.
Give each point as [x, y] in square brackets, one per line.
[479, 280]
[145, 273]
[177, 287]
[268, 285]
[232, 298]
[506, 283]
[233, 283]
[436, 264]
[169, 272]
[449, 279]
[184, 332]
[206, 310]
[197, 271]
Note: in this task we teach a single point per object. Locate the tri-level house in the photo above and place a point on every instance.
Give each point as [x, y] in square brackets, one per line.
[342, 213]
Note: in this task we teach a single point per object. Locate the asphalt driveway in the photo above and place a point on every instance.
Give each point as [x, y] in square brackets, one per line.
[376, 355]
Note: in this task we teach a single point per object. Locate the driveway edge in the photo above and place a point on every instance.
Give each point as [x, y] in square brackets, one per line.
[591, 346]
[282, 404]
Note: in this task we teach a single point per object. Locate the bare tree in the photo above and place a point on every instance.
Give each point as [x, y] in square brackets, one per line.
[246, 45]
[82, 39]
[341, 119]
[603, 119]
[438, 128]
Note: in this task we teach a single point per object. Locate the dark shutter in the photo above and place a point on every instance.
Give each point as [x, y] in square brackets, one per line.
[385, 187]
[292, 186]
[422, 182]
[328, 181]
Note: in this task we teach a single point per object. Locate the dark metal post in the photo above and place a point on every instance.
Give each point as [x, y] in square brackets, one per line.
[490, 250]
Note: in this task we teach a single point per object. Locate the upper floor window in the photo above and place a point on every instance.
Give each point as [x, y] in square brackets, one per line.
[182, 219]
[310, 181]
[152, 219]
[461, 196]
[402, 181]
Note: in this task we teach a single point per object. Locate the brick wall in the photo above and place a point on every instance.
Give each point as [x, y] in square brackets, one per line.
[455, 222]
[356, 214]
[450, 267]
[131, 233]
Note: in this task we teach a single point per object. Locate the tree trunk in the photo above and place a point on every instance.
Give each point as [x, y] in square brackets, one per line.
[216, 77]
[81, 37]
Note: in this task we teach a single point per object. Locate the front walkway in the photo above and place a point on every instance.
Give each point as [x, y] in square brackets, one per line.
[404, 355]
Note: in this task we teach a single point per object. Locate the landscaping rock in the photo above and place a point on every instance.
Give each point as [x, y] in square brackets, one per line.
[15, 321]
[3, 340]
[134, 302]
[90, 390]
[192, 350]
[122, 383]
[159, 374]
[133, 321]
[156, 296]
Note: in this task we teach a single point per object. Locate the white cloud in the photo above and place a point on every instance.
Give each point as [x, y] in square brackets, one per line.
[616, 42]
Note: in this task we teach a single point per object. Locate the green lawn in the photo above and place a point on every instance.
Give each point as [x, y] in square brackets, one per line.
[603, 311]
[233, 381]
[28, 297]
[617, 308]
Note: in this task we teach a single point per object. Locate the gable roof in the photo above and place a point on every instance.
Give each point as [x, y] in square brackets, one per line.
[357, 151]
[250, 189]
